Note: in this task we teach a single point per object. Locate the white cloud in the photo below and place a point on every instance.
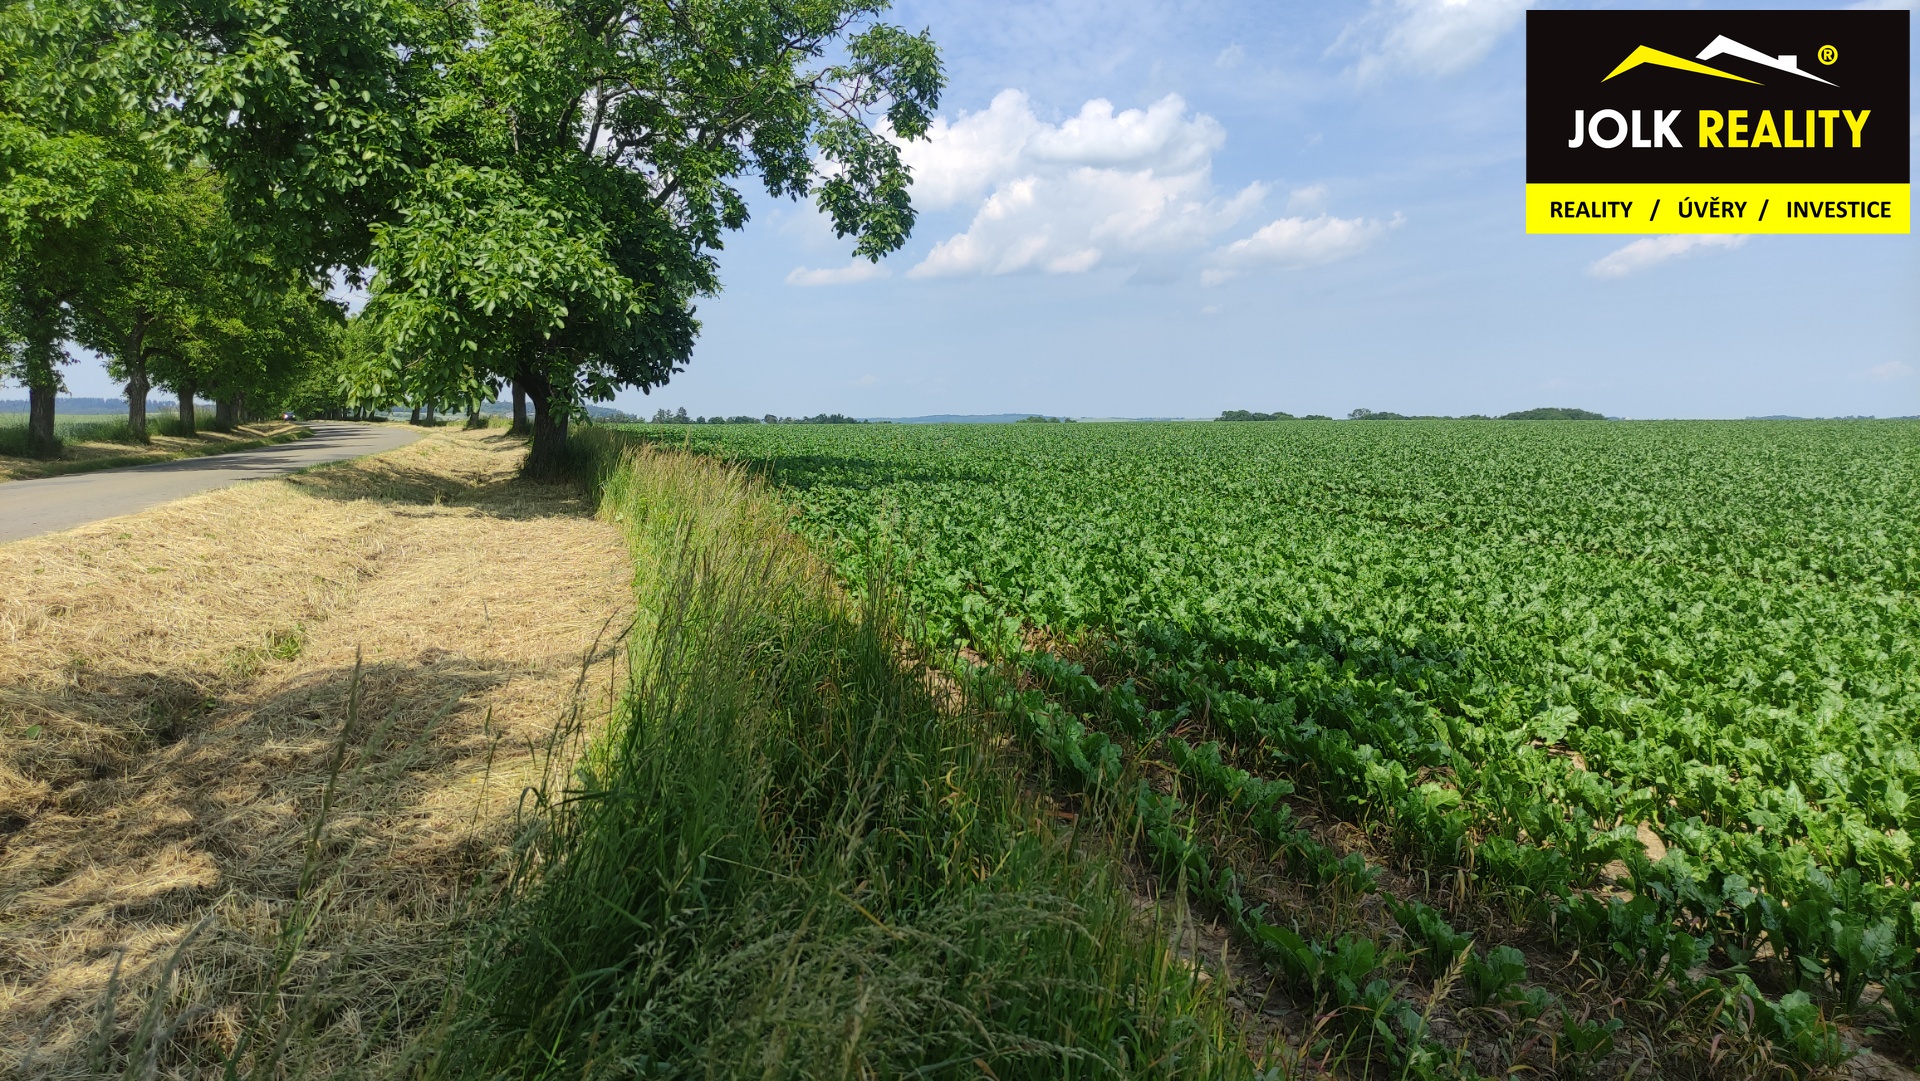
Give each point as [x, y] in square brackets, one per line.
[1654, 250]
[857, 271]
[1296, 242]
[1099, 188]
[1427, 37]
[1230, 57]
[1881, 5]
[1891, 371]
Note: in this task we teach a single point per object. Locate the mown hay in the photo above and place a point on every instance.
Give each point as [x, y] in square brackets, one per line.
[174, 715]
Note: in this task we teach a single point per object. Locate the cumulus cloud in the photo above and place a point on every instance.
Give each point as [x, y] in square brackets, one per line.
[1292, 243]
[1427, 37]
[1891, 371]
[1102, 187]
[857, 271]
[1654, 250]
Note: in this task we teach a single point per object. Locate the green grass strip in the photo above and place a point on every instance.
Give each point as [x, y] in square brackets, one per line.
[794, 853]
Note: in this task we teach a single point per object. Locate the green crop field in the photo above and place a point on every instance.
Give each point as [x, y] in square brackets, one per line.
[1516, 649]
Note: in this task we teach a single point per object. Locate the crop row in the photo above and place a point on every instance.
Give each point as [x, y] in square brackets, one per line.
[1520, 648]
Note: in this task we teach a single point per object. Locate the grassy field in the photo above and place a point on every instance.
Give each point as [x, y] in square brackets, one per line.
[83, 428]
[1605, 730]
[103, 441]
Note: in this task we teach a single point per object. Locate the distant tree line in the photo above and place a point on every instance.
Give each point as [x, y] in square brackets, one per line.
[1554, 414]
[1037, 419]
[679, 416]
[1369, 414]
[1242, 414]
[1525, 414]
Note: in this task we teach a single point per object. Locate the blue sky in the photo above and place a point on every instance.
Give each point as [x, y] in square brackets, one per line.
[1173, 208]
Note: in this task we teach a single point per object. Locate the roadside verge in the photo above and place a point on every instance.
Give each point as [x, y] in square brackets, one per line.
[85, 457]
[798, 852]
[258, 745]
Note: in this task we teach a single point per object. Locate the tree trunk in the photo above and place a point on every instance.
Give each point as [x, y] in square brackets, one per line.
[520, 425]
[547, 458]
[429, 414]
[41, 441]
[188, 422]
[473, 416]
[416, 415]
[225, 409]
[43, 382]
[133, 358]
[137, 387]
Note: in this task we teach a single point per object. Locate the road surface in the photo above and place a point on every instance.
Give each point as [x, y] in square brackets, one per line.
[31, 507]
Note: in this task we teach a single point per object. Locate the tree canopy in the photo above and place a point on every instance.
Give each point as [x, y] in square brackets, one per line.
[538, 186]
[533, 191]
[1554, 414]
[111, 240]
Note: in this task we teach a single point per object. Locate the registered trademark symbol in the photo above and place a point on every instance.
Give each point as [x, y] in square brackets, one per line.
[1828, 54]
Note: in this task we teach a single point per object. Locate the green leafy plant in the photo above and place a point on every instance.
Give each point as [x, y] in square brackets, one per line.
[1491, 976]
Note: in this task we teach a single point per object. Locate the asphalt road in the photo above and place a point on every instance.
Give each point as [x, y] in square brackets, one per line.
[31, 507]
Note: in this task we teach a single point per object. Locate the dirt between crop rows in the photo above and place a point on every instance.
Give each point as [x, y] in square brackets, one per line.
[173, 691]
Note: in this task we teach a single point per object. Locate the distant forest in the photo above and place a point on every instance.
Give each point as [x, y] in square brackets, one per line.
[1368, 414]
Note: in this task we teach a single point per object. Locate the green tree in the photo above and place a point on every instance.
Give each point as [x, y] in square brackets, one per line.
[64, 195]
[157, 281]
[248, 340]
[325, 387]
[83, 203]
[539, 185]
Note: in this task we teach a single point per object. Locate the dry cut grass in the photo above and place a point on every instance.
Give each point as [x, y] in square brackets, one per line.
[257, 745]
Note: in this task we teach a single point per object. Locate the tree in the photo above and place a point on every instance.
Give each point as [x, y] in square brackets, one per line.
[1554, 414]
[157, 282]
[539, 185]
[323, 387]
[61, 197]
[74, 177]
[242, 332]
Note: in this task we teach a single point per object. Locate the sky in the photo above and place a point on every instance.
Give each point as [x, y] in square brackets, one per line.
[1172, 208]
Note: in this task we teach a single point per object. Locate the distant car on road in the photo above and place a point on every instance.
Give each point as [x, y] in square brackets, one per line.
[288, 416]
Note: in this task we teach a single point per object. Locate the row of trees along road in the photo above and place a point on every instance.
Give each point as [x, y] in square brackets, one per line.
[104, 243]
[533, 190]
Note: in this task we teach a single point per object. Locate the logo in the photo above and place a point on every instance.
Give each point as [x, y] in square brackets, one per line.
[1718, 121]
[1721, 46]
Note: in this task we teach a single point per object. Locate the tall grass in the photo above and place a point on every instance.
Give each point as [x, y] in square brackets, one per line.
[796, 854]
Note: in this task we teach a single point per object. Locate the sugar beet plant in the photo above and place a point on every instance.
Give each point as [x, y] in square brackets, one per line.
[785, 858]
[1521, 647]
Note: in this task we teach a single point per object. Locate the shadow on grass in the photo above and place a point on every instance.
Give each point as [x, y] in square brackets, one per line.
[181, 808]
[492, 487]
